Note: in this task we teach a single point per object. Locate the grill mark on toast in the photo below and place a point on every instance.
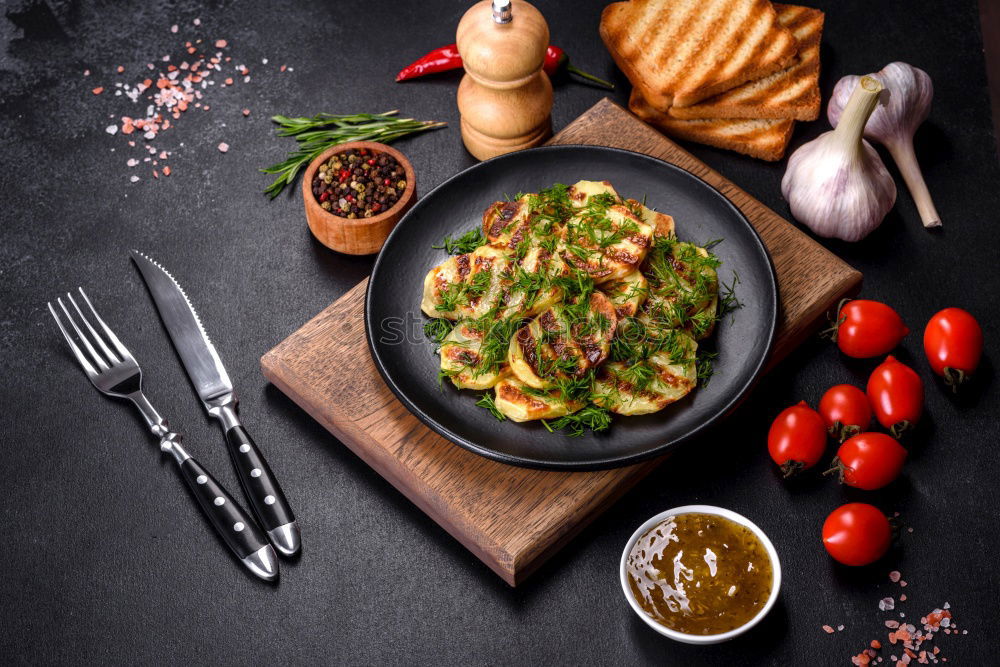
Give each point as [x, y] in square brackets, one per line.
[697, 42]
[770, 47]
[683, 57]
[723, 33]
[669, 37]
[789, 93]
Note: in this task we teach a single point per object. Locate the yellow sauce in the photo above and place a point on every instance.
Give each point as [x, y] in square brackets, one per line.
[700, 574]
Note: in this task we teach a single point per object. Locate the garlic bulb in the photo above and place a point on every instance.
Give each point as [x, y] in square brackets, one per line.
[894, 123]
[836, 184]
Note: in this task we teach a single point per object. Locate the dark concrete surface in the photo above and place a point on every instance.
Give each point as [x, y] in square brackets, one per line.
[107, 559]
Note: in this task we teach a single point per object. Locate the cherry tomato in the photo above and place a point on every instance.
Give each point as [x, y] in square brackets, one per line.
[953, 343]
[845, 410]
[868, 329]
[869, 461]
[896, 393]
[797, 439]
[856, 534]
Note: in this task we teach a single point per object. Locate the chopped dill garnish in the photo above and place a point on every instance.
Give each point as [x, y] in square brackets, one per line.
[465, 243]
[486, 401]
[592, 417]
[728, 302]
[437, 329]
[447, 373]
[705, 364]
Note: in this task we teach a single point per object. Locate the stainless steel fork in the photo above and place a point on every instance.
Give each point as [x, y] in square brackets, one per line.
[114, 371]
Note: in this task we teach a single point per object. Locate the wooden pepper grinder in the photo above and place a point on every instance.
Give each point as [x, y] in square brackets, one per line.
[505, 98]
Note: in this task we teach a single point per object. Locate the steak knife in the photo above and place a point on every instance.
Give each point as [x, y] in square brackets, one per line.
[212, 383]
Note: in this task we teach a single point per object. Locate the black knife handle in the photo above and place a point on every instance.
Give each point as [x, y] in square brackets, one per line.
[261, 488]
[236, 527]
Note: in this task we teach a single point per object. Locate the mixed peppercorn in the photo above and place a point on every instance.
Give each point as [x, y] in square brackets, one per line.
[359, 183]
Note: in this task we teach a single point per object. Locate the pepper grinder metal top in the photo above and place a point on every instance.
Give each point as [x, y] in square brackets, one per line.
[505, 99]
[502, 12]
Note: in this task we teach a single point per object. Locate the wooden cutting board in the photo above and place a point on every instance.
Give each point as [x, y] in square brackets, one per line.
[512, 518]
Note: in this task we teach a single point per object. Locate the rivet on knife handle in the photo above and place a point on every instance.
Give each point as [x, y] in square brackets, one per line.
[263, 491]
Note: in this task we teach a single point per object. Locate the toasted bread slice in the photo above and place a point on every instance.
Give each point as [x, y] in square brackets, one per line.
[679, 52]
[791, 93]
[762, 138]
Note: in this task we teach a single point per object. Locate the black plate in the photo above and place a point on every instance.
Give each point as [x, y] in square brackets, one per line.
[407, 360]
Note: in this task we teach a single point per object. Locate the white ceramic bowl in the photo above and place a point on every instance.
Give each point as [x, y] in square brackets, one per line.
[683, 636]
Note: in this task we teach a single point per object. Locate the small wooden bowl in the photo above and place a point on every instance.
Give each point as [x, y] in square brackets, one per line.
[357, 236]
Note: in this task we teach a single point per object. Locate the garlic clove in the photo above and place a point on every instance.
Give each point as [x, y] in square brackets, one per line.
[894, 122]
[837, 184]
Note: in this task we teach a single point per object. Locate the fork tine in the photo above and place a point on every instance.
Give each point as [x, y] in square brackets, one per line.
[122, 350]
[100, 341]
[94, 356]
[87, 368]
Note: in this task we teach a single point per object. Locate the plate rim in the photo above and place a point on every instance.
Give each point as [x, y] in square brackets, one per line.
[596, 464]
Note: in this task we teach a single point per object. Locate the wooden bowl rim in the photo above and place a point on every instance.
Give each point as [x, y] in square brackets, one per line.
[329, 218]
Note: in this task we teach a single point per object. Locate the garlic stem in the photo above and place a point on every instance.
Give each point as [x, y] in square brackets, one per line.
[906, 160]
[861, 105]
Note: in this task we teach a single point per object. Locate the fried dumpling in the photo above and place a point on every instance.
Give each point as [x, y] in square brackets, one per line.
[462, 361]
[642, 386]
[627, 294]
[519, 402]
[607, 243]
[563, 342]
[467, 285]
[683, 287]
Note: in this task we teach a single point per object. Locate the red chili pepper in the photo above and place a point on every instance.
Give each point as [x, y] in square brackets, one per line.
[556, 60]
[439, 60]
[448, 58]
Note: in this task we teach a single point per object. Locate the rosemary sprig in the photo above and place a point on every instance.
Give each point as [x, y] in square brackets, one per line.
[314, 135]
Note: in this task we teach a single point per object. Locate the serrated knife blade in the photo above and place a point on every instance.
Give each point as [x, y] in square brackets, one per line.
[214, 388]
[200, 359]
